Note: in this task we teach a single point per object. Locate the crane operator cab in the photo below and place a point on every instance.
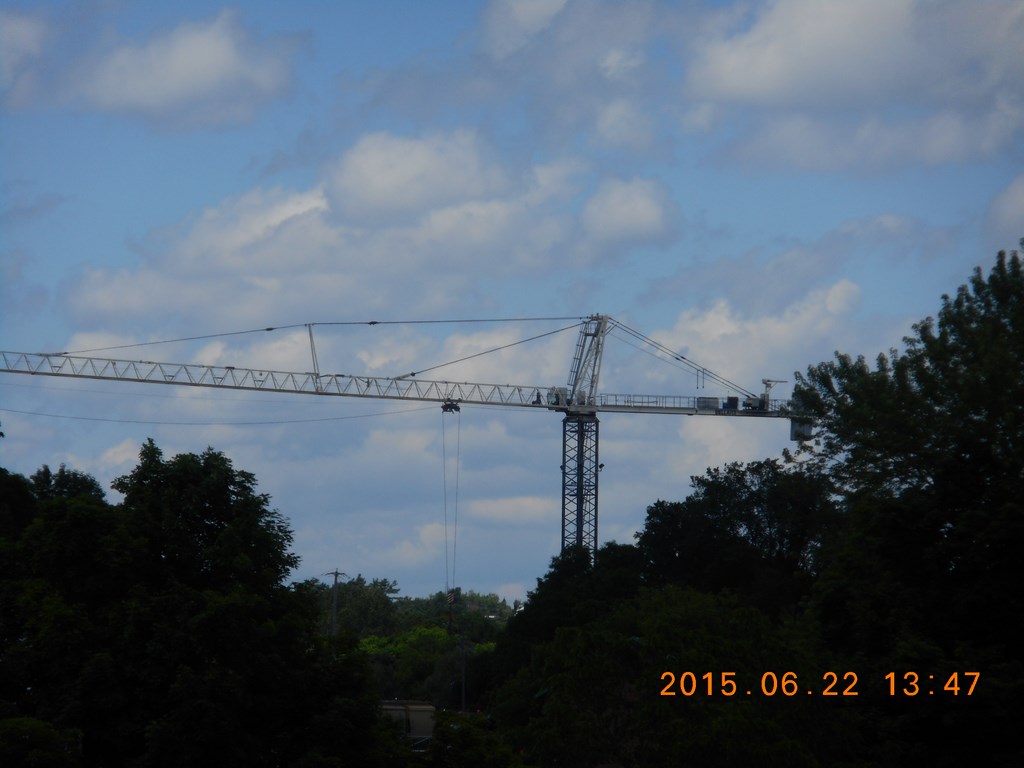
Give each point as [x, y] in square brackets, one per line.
[755, 403]
[558, 397]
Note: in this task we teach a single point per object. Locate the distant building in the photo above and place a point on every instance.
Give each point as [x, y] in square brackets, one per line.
[416, 719]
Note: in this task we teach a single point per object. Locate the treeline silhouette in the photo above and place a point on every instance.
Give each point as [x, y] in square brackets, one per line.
[857, 602]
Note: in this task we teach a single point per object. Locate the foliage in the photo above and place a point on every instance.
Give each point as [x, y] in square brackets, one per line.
[163, 632]
[359, 607]
[951, 406]
[573, 591]
[160, 631]
[892, 544]
[420, 647]
[477, 616]
[927, 448]
[29, 742]
[930, 448]
[444, 654]
[202, 523]
[67, 483]
[464, 740]
[591, 695]
[755, 529]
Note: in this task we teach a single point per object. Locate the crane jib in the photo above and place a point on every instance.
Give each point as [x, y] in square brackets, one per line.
[346, 385]
[578, 402]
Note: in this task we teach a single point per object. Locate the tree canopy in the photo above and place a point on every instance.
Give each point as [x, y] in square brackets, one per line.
[161, 631]
[927, 447]
[755, 529]
[891, 545]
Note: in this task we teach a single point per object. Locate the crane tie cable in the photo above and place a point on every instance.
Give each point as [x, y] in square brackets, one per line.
[306, 325]
[487, 352]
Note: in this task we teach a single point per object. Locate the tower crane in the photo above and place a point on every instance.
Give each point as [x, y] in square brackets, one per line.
[579, 401]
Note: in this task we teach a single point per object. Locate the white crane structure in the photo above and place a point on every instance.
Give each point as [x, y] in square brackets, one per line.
[579, 401]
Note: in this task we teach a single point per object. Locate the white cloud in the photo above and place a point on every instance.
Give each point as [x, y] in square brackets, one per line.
[537, 362]
[700, 118]
[393, 356]
[510, 25]
[1006, 215]
[747, 348]
[207, 72]
[400, 222]
[113, 461]
[637, 210]
[476, 223]
[876, 84]
[254, 229]
[427, 546]
[517, 510]
[437, 222]
[98, 340]
[621, 123]
[842, 297]
[511, 592]
[119, 458]
[619, 63]
[386, 175]
[552, 181]
[22, 38]
[800, 141]
[800, 51]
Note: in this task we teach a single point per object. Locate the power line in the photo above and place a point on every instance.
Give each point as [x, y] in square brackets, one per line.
[212, 423]
[192, 399]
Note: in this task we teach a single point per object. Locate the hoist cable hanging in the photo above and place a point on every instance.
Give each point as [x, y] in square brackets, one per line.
[453, 537]
[444, 481]
[458, 461]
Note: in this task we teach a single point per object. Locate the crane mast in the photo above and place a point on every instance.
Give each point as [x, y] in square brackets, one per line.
[579, 402]
[580, 461]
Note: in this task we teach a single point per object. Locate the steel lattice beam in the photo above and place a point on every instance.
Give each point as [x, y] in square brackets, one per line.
[377, 387]
[579, 481]
[580, 403]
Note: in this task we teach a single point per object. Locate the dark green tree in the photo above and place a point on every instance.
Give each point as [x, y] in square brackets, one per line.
[927, 449]
[17, 508]
[364, 607]
[945, 409]
[573, 591]
[163, 631]
[753, 529]
[202, 523]
[464, 740]
[592, 694]
[66, 483]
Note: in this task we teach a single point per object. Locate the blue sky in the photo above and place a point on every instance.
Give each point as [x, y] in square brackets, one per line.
[754, 184]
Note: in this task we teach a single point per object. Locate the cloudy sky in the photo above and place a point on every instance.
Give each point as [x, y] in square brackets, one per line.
[753, 184]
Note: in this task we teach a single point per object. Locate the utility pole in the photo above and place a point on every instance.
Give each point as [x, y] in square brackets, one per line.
[334, 600]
